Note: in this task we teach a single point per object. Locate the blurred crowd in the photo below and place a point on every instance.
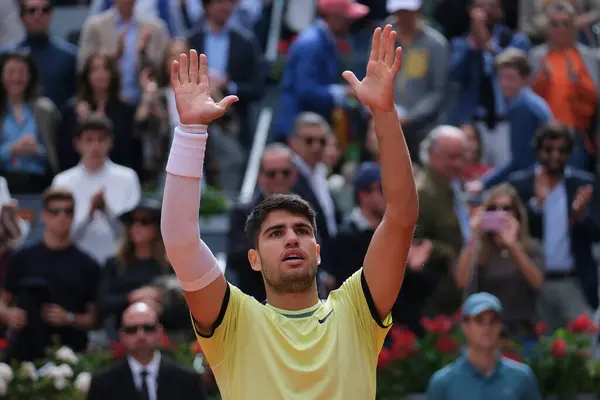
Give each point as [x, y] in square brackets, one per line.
[498, 102]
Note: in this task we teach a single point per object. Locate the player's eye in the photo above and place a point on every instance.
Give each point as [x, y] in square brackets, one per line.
[275, 234]
[302, 231]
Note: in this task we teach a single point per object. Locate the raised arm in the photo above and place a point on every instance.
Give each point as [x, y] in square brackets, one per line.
[385, 261]
[196, 267]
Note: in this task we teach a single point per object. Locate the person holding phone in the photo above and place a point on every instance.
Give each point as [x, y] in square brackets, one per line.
[502, 259]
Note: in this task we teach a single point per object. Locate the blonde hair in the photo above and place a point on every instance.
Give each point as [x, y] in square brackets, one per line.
[488, 247]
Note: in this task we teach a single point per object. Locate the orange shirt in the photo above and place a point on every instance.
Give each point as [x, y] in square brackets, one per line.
[570, 91]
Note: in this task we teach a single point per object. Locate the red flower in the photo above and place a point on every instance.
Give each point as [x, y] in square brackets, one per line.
[3, 344]
[118, 350]
[165, 343]
[283, 46]
[583, 324]
[385, 358]
[513, 356]
[441, 324]
[196, 349]
[541, 328]
[404, 343]
[447, 345]
[559, 348]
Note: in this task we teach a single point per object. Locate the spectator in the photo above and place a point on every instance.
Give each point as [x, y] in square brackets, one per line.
[103, 190]
[503, 260]
[421, 85]
[145, 373]
[308, 140]
[311, 80]
[563, 218]
[27, 147]
[50, 287]
[128, 277]
[474, 166]
[235, 62]
[482, 372]
[55, 58]
[11, 29]
[525, 113]
[135, 42]
[444, 217]
[277, 175]
[566, 75]
[472, 66]
[99, 92]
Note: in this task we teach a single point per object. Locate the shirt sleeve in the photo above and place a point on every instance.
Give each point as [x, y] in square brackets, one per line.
[356, 295]
[217, 345]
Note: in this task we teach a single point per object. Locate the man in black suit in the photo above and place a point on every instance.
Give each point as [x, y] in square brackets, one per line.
[276, 175]
[145, 374]
[235, 60]
[563, 216]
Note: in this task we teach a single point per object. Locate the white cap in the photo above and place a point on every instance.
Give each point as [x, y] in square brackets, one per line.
[408, 5]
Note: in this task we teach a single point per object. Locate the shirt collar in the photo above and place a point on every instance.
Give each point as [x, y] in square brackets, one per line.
[357, 217]
[107, 164]
[567, 171]
[152, 367]
[304, 168]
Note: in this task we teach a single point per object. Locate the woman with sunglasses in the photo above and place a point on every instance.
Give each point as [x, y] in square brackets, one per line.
[502, 259]
[141, 259]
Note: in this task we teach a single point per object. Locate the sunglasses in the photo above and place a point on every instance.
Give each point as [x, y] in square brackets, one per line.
[43, 10]
[272, 173]
[57, 211]
[559, 149]
[133, 329]
[309, 141]
[504, 207]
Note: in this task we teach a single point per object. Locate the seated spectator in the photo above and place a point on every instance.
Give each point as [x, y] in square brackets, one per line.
[27, 147]
[56, 59]
[503, 260]
[103, 189]
[145, 373]
[474, 167]
[99, 91]
[128, 277]
[482, 372]
[51, 286]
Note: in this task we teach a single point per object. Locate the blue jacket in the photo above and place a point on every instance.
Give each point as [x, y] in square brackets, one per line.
[466, 71]
[311, 67]
[525, 114]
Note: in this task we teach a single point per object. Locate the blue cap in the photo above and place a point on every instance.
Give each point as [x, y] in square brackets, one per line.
[477, 303]
[368, 173]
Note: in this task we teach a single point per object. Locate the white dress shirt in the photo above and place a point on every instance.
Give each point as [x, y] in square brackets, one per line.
[151, 379]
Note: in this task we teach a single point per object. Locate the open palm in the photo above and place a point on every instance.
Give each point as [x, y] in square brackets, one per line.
[376, 90]
[192, 91]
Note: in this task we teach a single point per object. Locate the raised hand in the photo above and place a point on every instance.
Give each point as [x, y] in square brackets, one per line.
[582, 199]
[192, 91]
[376, 90]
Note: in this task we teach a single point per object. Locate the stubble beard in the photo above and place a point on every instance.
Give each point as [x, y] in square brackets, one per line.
[295, 281]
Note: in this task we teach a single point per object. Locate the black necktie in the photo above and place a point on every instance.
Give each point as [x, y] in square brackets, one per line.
[144, 389]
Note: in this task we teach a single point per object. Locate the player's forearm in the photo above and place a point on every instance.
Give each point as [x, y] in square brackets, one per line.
[192, 260]
[396, 169]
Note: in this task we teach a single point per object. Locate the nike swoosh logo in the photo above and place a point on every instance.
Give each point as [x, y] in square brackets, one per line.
[322, 320]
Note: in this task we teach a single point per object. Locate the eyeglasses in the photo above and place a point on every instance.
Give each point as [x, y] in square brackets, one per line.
[272, 173]
[132, 329]
[44, 10]
[57, 210]
[559, 149]
[495, 207]
[309, 141]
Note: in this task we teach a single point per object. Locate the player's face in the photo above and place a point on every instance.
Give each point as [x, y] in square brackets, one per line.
[288, 254]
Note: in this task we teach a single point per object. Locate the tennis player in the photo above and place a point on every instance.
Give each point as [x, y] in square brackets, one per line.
[295, 346]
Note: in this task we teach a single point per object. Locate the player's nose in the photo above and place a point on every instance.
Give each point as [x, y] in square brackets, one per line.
[291, 238]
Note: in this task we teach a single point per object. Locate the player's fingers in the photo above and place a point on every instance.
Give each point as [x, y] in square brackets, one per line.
[397, 61]
[183, 69]
[374, 56]
[203, 70]
[193, 72]
[175, 74]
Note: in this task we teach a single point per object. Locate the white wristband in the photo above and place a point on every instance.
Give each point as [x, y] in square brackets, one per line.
[186, 157]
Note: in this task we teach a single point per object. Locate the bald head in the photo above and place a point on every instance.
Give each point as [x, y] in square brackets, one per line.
[277, 173]
[138, 311]
[443, 150]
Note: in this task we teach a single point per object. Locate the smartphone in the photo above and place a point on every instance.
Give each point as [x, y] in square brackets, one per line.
[493, 221]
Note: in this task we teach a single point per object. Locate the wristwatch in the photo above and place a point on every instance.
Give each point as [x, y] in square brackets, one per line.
[70, 318]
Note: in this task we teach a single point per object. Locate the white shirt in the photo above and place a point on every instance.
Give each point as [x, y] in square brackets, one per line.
[98, 235]
[317, 178]
[152, 368]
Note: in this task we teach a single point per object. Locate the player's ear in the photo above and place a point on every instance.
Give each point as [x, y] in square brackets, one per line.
[254, 259]
[318, 254]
